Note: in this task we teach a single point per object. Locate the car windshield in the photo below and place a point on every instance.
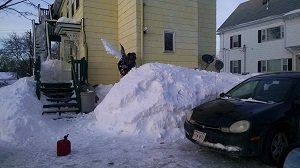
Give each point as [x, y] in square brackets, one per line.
[266, 90]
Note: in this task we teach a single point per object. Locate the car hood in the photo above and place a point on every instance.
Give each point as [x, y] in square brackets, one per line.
[224, 112]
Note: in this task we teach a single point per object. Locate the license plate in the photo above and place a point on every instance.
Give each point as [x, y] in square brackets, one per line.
[199, 136]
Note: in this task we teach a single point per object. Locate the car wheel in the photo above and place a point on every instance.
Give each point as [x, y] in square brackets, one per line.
[276, 142]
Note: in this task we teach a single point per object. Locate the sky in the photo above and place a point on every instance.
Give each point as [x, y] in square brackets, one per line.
[13, 23]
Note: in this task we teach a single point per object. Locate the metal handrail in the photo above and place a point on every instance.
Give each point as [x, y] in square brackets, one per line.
[48, 41]
[43, 12]
[50, 13]
[33, 39]
[76, 83]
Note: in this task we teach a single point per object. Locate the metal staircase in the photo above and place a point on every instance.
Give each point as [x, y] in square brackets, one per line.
[60, 97]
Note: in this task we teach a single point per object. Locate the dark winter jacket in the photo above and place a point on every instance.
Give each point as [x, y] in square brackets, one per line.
[126, 63]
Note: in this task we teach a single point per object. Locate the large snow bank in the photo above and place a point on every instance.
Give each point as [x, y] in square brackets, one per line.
[20, 113]
[102, 91]
[152, 100]
[53, 71]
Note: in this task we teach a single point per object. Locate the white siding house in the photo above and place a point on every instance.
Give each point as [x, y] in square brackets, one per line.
[261, 36]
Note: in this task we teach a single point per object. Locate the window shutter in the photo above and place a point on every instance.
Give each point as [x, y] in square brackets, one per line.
[239, 61]
[259, 36]
[231, 40]
[259, 66]
[240, 41]
[290, 64]
[231, 66]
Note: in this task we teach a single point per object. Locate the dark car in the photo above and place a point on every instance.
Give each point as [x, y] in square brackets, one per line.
[258, 117]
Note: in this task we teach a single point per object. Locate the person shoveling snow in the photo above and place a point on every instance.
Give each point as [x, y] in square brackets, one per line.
[126, 61]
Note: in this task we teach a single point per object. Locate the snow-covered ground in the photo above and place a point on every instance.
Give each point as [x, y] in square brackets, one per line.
[139, 123]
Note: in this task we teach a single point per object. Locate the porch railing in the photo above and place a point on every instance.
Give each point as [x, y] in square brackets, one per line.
[79, 76]
[43, 12]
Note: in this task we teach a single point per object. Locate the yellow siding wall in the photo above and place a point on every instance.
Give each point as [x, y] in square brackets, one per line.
[101, 21]
[127, 25]
[179, 16]
[207, 27]
[122, 21]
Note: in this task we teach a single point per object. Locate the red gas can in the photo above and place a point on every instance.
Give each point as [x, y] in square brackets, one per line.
[63, 146]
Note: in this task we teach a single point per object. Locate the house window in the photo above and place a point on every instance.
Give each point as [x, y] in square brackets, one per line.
[270, 34]
[235, 41]
[72, 7]
[68, 9]
[287, 64]
[262, 66]
[169, 41]
[235, 66]
[275, 65]
[77, 4]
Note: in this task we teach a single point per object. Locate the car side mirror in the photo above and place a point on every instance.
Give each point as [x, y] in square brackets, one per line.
[290, 157]
[222, 94]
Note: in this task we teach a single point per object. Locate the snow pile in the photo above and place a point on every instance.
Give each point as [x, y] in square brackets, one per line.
[152, 101]
[53, 71]
[102, 91]
[20, 113]
[68, 20]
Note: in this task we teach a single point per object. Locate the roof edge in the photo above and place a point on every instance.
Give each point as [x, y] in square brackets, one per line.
[254, 22]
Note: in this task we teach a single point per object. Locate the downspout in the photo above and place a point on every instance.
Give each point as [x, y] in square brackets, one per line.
[224, 51]
[84, 39]
[288, 49]
[142, 32]
[33, 39]
[85, 46]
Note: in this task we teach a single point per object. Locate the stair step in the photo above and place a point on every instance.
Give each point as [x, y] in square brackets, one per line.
[60, 105]
[59, 95]
[56, 85]
[67, 110]
[67, 99]
[57, 90]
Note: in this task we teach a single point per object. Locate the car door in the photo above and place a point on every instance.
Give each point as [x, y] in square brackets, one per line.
[294, 114]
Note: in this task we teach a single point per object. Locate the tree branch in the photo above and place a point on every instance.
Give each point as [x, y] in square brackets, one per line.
[24, 14]
[4, 5]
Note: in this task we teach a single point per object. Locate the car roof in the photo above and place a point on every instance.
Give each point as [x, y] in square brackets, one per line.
[279, 74]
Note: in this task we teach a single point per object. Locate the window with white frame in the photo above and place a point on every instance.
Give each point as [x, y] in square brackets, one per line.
[262, 66]
[235, 41]
[272, 33]
[169, 41]
[275, 65]
[235, 66]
